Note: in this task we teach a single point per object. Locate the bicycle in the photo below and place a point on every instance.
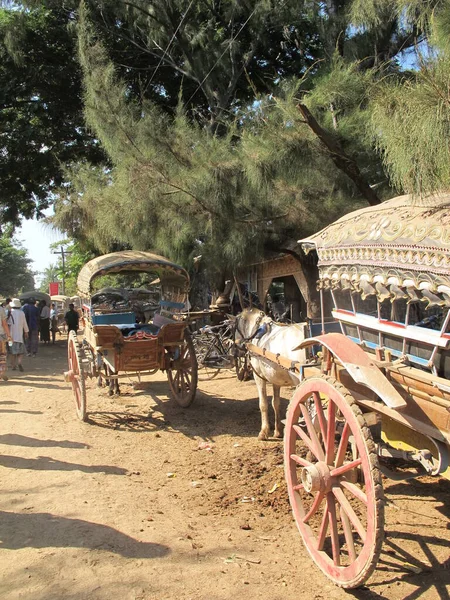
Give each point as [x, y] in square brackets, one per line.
[216, 350]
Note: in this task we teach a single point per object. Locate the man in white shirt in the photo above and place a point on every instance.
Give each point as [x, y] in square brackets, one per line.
[19, 329]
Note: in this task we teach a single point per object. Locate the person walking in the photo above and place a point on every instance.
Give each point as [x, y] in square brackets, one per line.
[19, 330]
[32, 316]
[53, 322]
[72, 319]
[5, 337]
[6, 306]
[44, 323]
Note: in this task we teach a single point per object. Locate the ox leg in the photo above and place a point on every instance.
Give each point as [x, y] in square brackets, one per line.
[110, 382]
[278, 433]
[263, 407]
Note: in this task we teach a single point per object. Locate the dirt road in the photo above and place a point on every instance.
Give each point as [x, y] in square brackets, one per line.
[128, 507]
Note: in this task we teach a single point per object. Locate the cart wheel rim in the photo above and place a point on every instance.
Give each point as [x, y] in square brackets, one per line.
[77, 380]
[336, 499]
[207, 373]
[182, 376]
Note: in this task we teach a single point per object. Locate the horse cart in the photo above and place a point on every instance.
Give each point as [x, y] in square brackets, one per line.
[61, 303]
[118, 340]
[374, 397]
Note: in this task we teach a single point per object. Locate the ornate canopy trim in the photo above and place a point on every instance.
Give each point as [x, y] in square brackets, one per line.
[403, 242]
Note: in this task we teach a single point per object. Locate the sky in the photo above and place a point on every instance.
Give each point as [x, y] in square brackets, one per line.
[36, 237]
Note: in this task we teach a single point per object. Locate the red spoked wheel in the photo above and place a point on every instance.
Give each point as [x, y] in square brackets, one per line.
[76, 376]
[182, 371]
[333, 481]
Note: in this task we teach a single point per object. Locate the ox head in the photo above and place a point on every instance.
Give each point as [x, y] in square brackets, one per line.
[247, 324]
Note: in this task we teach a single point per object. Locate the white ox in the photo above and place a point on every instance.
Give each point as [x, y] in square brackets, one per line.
[276, 338]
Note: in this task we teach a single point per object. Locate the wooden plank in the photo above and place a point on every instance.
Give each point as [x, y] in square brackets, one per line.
[110, 359]
[421, 380]
[91, 337]
[404, 419]
[107, 336]
[139, 355]
[419, 406]
[284, 362]
[171, 333]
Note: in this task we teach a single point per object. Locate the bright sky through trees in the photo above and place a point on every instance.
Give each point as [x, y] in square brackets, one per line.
[36, 237]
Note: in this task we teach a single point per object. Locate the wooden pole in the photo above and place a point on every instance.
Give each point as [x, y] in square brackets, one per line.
[241, 299]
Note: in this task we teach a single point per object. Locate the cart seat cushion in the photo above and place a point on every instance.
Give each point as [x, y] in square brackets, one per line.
[139, 331]
[125, 318]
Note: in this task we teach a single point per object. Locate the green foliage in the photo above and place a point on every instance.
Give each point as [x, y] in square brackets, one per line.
[15, 273]
[218, 54]
[40, 110]
[185, 191]
[47, 276]
[75, 256]
[411, 120]
[374, 13]
[440, 29]
[195, 105]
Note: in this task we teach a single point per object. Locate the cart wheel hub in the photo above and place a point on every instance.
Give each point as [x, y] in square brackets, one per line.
[316, 478]
[68, 376]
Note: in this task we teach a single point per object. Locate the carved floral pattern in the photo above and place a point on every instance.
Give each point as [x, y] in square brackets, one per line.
[406, 238]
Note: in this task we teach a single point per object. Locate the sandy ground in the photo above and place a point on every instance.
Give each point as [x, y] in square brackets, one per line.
[126, 506]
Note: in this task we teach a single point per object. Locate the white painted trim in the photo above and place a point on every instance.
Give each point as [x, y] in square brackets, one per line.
[417, 334]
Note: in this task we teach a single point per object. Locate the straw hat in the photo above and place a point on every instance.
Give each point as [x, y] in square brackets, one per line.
[16, 303]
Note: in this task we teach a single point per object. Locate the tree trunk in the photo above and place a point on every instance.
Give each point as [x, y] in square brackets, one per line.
[307, 283]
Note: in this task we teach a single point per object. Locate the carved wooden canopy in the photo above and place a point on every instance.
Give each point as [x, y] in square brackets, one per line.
[399, 245]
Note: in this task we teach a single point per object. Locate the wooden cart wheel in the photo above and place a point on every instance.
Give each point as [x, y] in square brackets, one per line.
[76, 376]
[333, 481]
[182, 372]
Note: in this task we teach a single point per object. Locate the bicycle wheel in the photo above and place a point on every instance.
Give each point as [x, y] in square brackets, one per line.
[206, 350]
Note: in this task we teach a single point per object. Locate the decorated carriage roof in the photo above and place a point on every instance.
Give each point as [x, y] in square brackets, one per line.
[60, 298]
[128, 261]
[36, 295]
[403, 242]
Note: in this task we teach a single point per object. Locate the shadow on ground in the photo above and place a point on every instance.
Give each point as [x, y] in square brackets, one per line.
[27, 412]
[399, 565]
[208, 416]
[44, 530]
[46, 463]
[14, 439]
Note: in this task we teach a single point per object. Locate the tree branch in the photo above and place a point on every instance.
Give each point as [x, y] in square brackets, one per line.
[343, 162]
[19, 102]
[140, 9]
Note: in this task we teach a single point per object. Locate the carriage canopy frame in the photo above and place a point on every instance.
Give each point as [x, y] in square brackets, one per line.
[127, 261]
